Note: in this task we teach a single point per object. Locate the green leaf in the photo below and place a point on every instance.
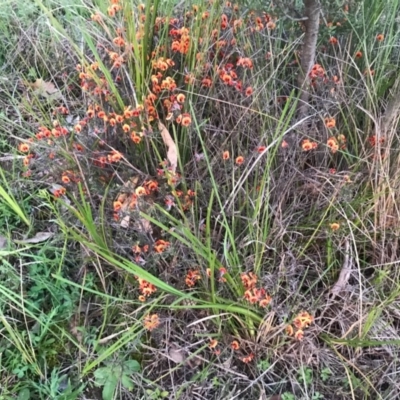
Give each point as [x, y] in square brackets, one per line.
[126, 382]
[131, 366]
[24, 394]
[102, 375]
[109, 387]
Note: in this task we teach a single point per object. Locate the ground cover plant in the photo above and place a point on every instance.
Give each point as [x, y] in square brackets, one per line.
[199, 200]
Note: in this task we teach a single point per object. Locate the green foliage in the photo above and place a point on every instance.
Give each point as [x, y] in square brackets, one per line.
[288, 396]
[157, 394]
[115, 373]
[270, 214]
[305, 376]
[325, 374]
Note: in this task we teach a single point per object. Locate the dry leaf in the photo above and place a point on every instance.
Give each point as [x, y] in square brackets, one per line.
[345, 273]
[125, 221]
[45, 89]
[176, 354]
[74, 325]
[172, 153]
[38, 238]
[143, 226]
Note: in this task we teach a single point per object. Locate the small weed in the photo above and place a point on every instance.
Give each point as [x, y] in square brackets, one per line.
[113, 374]
[157, 394]
[288, 396]
[325, 374]
[305, 376]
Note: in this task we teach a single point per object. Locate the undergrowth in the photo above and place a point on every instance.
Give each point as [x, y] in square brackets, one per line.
[175, 225]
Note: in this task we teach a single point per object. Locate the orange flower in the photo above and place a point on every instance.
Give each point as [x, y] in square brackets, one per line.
[249, 91]
[369, 72]
[333, 40]
[248, 359]
[380, 37]
[117, 205]
[303, 320]
[140, 191]
[151, 185]
[151, 322]
[330, 122]
[227, 79]
[146, 288]
[260, 149]
[264, 302]
[206, 82]
[136, 249]
[135, 138]
[334, 226]
[373, 140]
[245, 62]
[119, 118]
[271, 25]
[225, 155]
[333, 144]
[289, 330]
[235, 345]
[161, 245]
[317, 71]
[239, 160]
[307, 145]
[306, 318]
[249, 280]
[65, 179]
[96, 18]
[186, 119]
[59, 192]
[115, 156]
[222, 272]
[299, 335]
[180, 98]
[26, 161]
[78, 128]
[213, 344]
[191, 277]
[284, 144]
[359, 54]
[23, 147]
[118, 41]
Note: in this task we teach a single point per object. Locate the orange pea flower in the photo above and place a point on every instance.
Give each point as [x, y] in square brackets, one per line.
[186, 119]
[225, 155]
[239, 160]
[333, 40]
[249, 91]
[235, 345]
[333, 144]
[23, 147]
[299, 335]
[330, 122]
[151, 322]
[192, 277]
[334, 226]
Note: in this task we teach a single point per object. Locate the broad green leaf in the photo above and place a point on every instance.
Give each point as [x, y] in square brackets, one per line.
[109, 388]
[126, 382]
[131, 366]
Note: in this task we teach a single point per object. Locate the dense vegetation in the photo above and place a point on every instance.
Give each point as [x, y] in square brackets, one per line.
[199, 200]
